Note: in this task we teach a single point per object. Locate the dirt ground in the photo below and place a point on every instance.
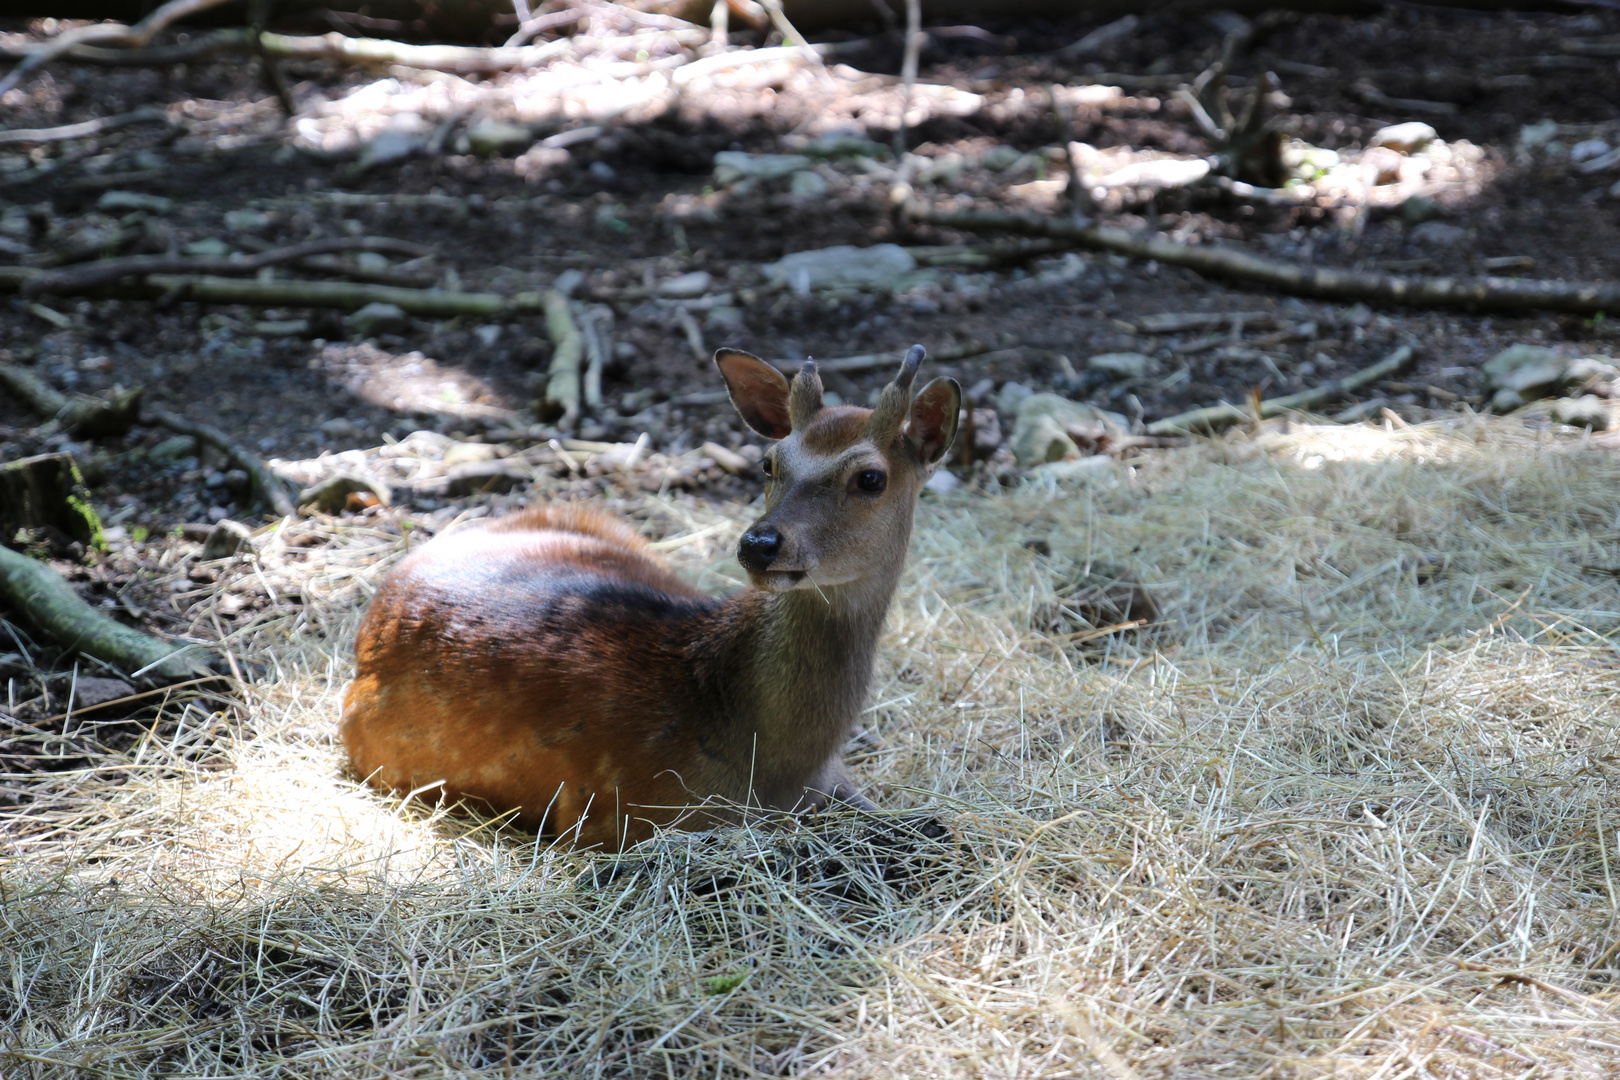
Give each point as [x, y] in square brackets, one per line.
[637, 204]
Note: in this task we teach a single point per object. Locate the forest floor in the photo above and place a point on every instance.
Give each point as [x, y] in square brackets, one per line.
[1344, 809]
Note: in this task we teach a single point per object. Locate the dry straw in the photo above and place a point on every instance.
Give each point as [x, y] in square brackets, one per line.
[1350, 808]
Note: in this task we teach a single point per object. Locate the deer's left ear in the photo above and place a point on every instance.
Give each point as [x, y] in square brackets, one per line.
[931, 427]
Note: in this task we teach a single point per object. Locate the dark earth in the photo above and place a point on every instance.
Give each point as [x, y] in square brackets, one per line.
[638, 205]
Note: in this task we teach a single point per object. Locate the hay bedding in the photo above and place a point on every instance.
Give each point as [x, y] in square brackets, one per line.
[1351, 807]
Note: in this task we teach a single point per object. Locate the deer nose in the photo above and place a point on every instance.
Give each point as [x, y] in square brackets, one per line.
[759, 547]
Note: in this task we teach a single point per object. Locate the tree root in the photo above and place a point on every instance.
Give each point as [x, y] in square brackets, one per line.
[265, 483]
[1509, 294]
[562, 381]
[1219, 416]
[50, 606]
[80, 416]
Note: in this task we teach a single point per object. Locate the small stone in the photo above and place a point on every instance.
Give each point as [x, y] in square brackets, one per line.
[1122, 365]
[809, 184]
[943, 482]
[686, 286]
[1505, 401]
[134, 200]
[845, 146]
[226, 538]
[624, 351]
[1529, 370]
[1408, 138]
[1012, 395]
[339, 427]
[1586, 370]
[488, 334]
[247, 221]
[491, 137]
[218, 513]
[1000, 157]
[1537, 134]
[1439, 234]
[372, 262]
[378, 318]
[215, 479]
[1382, 164]
[389, 147]
[601, 172]
[842, 265]
[732, 166]
[332, 494]
[1588, 410]
[210, 247]
[89, 692]
[238, 482]
[174, 449]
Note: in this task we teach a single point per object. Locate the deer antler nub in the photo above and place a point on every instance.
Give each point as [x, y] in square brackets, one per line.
[804, 397]
[895, 401]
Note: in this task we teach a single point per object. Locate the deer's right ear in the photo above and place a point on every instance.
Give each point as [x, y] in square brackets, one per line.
[758, 390]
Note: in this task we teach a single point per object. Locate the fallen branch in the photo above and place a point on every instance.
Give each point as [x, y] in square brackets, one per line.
[85, 417]
[265, 483]
[1579, 297]
[874, 361]
[85, 129]
[343, 295]
[115, 33]
[50, 606]
[1219, 416]
[562, 381]
[89, 275]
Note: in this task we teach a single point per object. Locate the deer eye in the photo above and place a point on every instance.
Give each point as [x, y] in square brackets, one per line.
[872, 481]
[765, 466]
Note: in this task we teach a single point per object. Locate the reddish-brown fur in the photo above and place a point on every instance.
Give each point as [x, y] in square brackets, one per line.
[551, 663]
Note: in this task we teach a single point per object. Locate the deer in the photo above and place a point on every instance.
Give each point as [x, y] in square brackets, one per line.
[551, 664]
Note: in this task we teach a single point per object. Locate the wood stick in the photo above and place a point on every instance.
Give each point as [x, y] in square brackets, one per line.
[89, 275]
[265, 483]
[81, 416]
[343, 295]
[562, 382]
[1513, 294]
[1219, 416]
[149, 115]
[50, 606]
[115, 33]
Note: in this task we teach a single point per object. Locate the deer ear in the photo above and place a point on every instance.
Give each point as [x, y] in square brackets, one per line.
[931, 427]
[758, 390]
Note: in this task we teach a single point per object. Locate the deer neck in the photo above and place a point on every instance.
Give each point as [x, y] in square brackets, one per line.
[811, 664]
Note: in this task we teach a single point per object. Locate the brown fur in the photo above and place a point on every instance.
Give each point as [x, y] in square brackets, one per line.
[551, 663]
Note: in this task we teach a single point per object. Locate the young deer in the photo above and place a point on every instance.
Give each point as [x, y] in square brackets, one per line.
[551, 663]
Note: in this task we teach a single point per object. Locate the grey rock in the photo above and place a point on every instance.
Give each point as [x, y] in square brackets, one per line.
[1408, 138]
[174, 449]
[686, 286]
[843, 265]
[247, 221]
[134, 200]
[1418, 208]
[810, 184]
[732, 166]
[1000, 157]
[89, 691]
[845, 146]
[226, 538]
[1588, 411]
[1585, 370]
[378, 318]
[492, 137]
[942, 482]
[1012, 395]
[1537, 134]
[1528, 370]
[1587, 149]
[1122, 365]
[210, 247]
[389, 147]
[1505, 401]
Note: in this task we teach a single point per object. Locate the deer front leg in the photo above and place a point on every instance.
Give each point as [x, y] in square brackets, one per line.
[833, 785]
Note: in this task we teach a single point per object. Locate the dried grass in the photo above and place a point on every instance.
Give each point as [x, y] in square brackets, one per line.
[1351, 808]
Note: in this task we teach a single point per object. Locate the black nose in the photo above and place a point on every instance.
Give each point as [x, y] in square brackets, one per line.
[758, 547]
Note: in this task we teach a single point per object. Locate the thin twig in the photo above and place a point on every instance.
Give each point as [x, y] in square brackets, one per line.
[1219, 416]
[110, 33]
[90, 275]
[1580, 297]
[85, 129]
[908, 72]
